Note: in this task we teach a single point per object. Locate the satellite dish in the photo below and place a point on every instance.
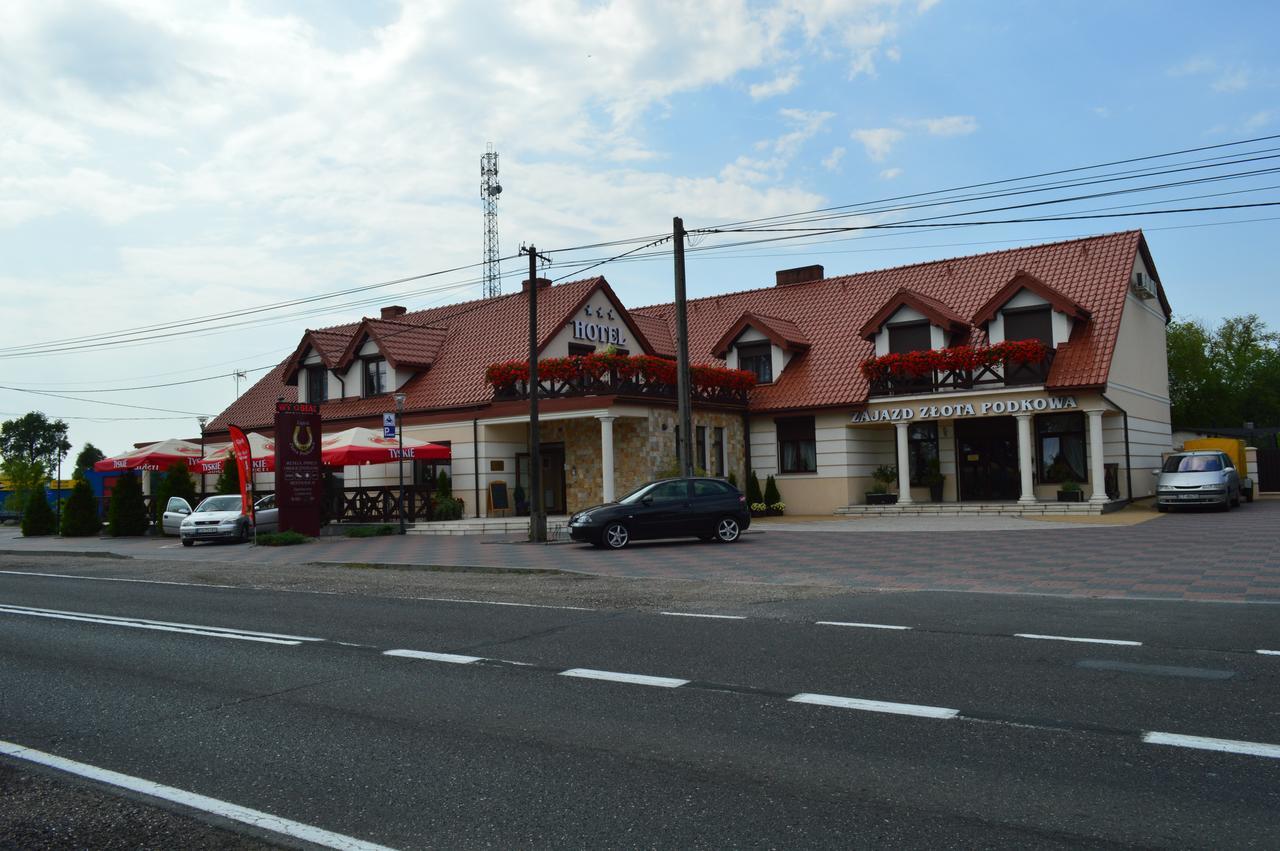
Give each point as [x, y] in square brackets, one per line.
[495, 189]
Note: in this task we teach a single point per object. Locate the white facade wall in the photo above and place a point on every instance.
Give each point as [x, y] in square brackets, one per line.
[779, 357]
[937, 337]
[1026, 298]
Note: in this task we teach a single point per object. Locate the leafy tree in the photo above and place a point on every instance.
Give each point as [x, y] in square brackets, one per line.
[229, 479]
[26, 480]
[443, 486]
[127, 514]
[38, 518]
[80, 513]
[32, 437]
[88, 456]
[1226, 376]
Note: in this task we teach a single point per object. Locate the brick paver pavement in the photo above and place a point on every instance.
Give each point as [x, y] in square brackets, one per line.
[1231, 557]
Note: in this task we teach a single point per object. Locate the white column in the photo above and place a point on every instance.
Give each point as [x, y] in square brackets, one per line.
[1097, 472]
[606, 457]
[1024, 457]
[904, 465]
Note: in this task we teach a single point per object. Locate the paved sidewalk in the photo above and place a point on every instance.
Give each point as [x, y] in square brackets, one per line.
[1231, 557]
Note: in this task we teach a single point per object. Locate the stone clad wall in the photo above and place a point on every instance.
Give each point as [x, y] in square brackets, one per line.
[642, 450]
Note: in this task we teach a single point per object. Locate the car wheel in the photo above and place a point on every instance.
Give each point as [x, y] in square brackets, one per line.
[1248, 495]
[1235, 503]
[727, 530]
[616, 536]
[246, 533]
[188, 543]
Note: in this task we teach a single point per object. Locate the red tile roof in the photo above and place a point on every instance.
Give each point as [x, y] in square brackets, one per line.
[457, 342]
[403, 344]
[472, 335]
[1092, 272]
[781, 332]
[1026, 281]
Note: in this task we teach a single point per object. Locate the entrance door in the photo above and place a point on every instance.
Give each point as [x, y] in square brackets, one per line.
[552, 455]
[987, 459]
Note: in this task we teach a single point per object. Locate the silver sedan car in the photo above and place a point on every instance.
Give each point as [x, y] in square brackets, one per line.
[1204, 477]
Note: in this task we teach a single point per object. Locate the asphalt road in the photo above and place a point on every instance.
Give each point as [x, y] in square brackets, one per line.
[769, 727]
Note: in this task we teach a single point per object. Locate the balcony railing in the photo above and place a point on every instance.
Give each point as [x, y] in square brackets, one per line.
[998, 374]
[612, 383]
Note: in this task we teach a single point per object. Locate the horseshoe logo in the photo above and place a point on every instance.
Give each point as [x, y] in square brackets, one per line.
[303, 440]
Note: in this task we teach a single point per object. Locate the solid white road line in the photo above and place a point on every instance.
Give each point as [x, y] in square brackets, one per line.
[158, 626]
[1206, 744]
[1270, 652]
[614, 676]
[863, 625]
[1079, 640]
[235, 630]
[434, 657]
[699, 615]
[235, 812]
[939, 712]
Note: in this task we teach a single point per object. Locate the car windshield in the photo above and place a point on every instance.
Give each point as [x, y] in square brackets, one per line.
[220, 503]
[1193, 464]
[636, 495]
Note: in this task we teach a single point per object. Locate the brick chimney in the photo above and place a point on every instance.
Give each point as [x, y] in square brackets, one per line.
[392, 311]
[543, 283]
[799, 275]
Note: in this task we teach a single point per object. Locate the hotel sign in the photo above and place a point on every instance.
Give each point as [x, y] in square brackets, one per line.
[966, 409]
[598, 332]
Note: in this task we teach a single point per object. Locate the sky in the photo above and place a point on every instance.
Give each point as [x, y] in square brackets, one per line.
[163, 161]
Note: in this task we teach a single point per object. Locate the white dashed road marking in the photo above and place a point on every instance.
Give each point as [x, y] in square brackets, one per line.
[160, 626]
[617, 677]
[939, 712]
[434, 657]
[1270, 652]
[700, 615]
[1206, 744]
[1115, 641]
[862, 625]
[234, 812]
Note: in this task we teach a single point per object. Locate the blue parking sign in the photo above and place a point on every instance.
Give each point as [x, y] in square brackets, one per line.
[388, 425]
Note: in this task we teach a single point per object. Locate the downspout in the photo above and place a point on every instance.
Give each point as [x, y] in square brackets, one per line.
[475, 460]
[1128, 463]
[746, 450]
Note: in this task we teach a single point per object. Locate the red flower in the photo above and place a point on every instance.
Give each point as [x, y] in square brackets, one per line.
[593, 367]
[920, 364]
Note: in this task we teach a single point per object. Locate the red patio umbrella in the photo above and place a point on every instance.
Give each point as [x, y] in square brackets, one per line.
[154, 456]
[366, 446]
[261, 449]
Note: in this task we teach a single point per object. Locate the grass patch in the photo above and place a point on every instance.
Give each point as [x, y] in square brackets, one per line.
[371, 531]
[282, 539]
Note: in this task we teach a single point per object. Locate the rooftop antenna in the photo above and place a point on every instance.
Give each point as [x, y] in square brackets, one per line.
[490, 189]
[240, 375]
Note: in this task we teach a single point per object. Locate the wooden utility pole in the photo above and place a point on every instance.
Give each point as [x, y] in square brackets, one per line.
[537, 511]
[685, 416]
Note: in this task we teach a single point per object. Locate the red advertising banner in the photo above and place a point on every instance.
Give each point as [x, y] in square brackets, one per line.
[244, 462]
[299, 473]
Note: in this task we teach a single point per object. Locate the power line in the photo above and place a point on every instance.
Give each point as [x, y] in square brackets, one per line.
[102, 402]
[171, 383]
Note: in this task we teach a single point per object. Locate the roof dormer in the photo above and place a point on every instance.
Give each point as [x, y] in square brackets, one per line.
[1027, 308]
[911, 321]
[761, 344]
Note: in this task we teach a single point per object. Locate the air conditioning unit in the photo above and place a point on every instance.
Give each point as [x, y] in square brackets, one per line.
[1143, 285]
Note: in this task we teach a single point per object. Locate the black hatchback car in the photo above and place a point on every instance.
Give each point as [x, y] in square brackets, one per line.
[710, 509]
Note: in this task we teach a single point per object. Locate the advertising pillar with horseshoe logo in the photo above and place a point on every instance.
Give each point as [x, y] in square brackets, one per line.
[299, 474]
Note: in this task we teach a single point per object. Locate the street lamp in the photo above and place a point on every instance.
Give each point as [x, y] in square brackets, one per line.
[202, 421]
[399, 397]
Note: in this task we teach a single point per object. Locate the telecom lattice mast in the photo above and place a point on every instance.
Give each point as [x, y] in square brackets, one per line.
[490, 189]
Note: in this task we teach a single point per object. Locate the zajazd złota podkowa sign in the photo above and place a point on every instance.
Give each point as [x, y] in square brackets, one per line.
[967, 409]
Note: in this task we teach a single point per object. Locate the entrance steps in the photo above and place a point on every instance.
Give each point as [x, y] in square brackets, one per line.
[557, 527]
[969, 509]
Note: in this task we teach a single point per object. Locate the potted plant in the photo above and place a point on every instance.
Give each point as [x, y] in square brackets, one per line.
[755, 498]
[772, 497]
[1070, 491]
[934, 479]
[878, 494]
[522, 501]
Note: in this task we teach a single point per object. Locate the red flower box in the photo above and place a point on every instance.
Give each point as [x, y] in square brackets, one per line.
[925, 362]
[593, 367]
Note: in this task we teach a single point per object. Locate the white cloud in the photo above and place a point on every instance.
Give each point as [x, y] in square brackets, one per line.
[1194, 65]
[949, 125]
[1260, 119]
[779, 85]
[805, 125]
[878, 141]
[890, 173]
[1232, 78]
[831, 162]
[1235, 80]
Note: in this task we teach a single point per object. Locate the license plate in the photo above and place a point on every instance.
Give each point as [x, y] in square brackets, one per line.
[209, 530]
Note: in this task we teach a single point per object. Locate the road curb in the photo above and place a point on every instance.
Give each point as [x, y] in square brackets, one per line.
[445, 568]
[76, 553]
